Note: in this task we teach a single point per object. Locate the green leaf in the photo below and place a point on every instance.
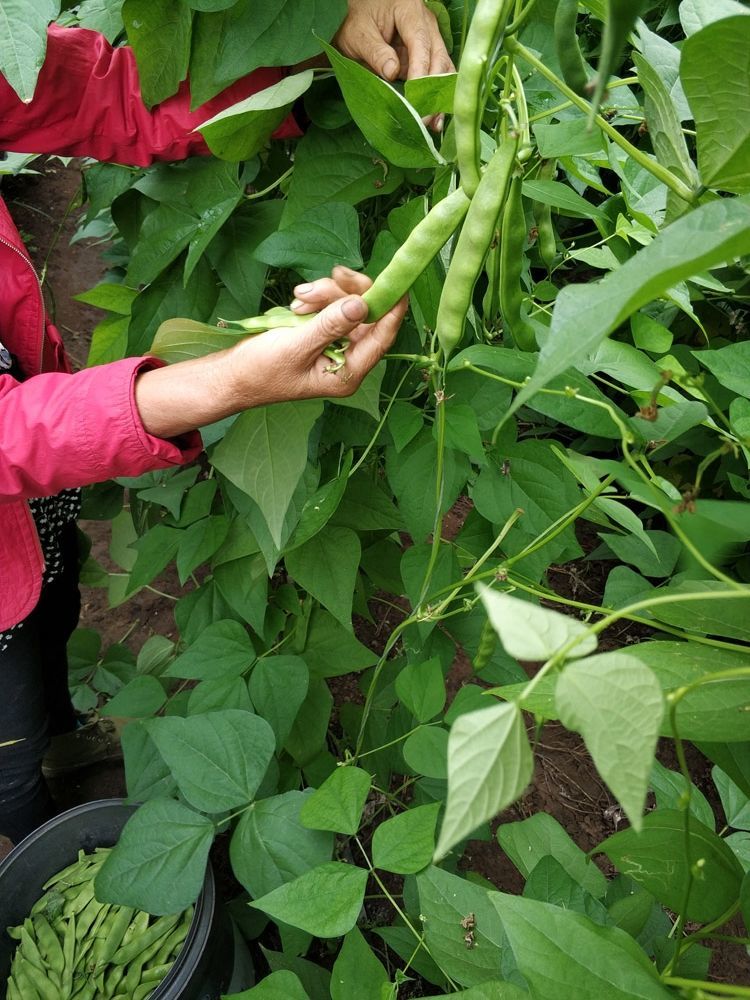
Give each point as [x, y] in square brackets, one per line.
[716, 79]
[357, 973]
[528, 841]
[712, 234]
[104, 16]
[199, 542]
[386, 119]
[143, 696]
[656, 859]
[404, 844]
[326, 566]
[730, 365]
[316, 241]
[444, 901]
[270, 847]
[221, 650]
[321, 507]
[147, 775]
[241, 131]
[726, 617]
[421, 688]
[582, 961]
[337, 805]
[332, 650]
[218, 759]
[216, 695]
[109, 295]
[281, 985]
[431, 95]
[550, 883]
[278, 688]
[426, 752]
[562, 197]
[336, 166]
[23, 42]
[365, 507]
[265, 453]
[159, 34]
[696, 14]
[616, 703]
[736, 804]
[489, 765]
[159, 863]
[570, 138]
[530, 632]
[324, 902]
[664, 126]
[670, 791]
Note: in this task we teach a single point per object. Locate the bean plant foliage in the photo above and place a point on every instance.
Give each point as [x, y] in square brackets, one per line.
[575, 364]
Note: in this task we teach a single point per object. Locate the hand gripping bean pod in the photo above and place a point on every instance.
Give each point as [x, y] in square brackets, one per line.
[512, 239]
[472, 245]
[412, 257]
[487, 24]
[568, 50]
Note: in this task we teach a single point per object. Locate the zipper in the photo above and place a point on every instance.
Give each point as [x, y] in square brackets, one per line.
[27, 261]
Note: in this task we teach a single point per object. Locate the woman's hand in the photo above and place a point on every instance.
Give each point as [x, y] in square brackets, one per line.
[280, 365]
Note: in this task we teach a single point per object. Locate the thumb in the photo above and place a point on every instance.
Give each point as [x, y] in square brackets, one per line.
[338, 319]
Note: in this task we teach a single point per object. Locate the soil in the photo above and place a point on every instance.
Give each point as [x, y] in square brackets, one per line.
[565, 783]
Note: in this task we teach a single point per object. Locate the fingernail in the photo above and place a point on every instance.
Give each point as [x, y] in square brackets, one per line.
[354, 309]
[390, 68]
[302, 289]
[295, 304]
[439, 122]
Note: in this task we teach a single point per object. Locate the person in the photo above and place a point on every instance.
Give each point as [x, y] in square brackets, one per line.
[61, 430]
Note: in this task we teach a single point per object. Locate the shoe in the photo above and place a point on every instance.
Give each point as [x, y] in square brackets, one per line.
[97, 741]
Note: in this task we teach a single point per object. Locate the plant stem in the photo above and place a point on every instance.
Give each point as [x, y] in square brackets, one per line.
[627, 82]
[437, 529]
[661, 173]
[380, 426]
[718, 989]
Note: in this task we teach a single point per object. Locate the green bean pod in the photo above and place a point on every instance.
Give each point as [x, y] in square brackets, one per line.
[487, 646]
[546, 239]
[512, 239]
[157, 932]
[620, 20]
[472, 245]
[487, 24]
[568, 50]
[421, 245]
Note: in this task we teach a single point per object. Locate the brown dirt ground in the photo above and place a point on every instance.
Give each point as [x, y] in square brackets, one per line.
[565, 783]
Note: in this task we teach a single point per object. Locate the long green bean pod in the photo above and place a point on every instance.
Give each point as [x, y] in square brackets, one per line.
[487, 24]
[421, 245]
[546, 240]
[621, 17]
[568, 50]
[512, 239]
[472, 245]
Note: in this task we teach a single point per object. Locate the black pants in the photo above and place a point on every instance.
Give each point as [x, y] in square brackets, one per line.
[34, 698]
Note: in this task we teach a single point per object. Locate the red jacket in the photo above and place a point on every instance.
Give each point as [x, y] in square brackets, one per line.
[59, 429]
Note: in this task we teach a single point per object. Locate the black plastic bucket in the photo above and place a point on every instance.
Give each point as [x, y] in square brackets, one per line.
[213, 959]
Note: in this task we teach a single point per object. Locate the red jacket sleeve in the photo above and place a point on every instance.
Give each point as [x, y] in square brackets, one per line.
[59, 430]
[88, 103]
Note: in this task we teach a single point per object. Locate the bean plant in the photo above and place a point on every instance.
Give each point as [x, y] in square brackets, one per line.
[572, 380]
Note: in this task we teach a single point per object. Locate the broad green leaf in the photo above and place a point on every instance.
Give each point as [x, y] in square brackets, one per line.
[308, 736]
[278, 688]
[716, 79]
[320, 238]
[727, 616]
[265, 454]
[730, 364]
[426, 752]
[336, 166]
[216, 695]
[326, 566]
[444, 901]
[431, 95]
[221, 650]
[281, 985]
[656, 859]
[569, 138]
[528, 841]
[243, 584]
[550, 883]
[421, 688]
[357, 974]
[562, 197]
[109, 295]
[332, 650]
[147, 775]
[183, 339]
[321, 507]
[315, 979]
[218, 759]
[494, 990]
[732, 758]
[270, 847]
[670, 791]
[404, 844]
[489, 765]
[104, 16]
[199, 542]
[159, 863]
[584, 315]
[740, 845]
[366, 507]
[736, 804]
[324, 902]
[337, 805]
[530, 632]
[696, 14]
[166, 298]
[617, 705]
[143, 696]
[582, 961]
[23, 42]
[159, 34]
[386, 119]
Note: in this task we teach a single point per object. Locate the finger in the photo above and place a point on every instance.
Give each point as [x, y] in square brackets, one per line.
[378, 337]
[339, 319]
[316, 294]
[373, 50]
[416, 37]
[352, 282]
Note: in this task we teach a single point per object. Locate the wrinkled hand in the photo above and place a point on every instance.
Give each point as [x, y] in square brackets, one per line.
[288, 364]
[398, 39]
